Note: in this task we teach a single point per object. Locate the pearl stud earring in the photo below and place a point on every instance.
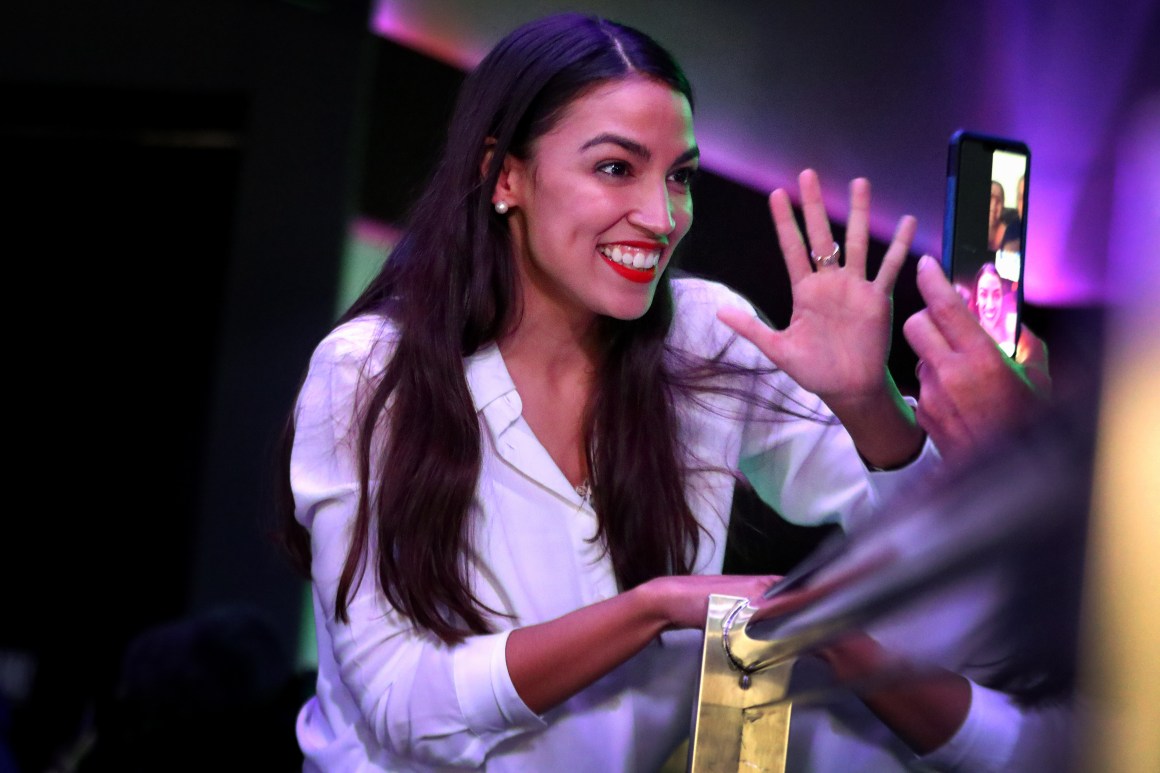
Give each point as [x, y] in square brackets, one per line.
[501, 207]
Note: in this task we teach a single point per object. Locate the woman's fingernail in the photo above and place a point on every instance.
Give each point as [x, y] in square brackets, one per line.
[925, 262]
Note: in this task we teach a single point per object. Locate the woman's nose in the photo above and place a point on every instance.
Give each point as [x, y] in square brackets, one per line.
[654, 210]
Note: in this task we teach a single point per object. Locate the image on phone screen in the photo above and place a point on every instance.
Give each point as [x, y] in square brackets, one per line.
[987, 227]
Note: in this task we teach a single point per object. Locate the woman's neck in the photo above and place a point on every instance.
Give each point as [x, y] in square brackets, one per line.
[553, 363]
[552, 341]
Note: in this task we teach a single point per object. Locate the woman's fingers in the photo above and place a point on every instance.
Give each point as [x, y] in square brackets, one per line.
[896, 254]
[801, 254]
[797, 260]
[751, 329]
[858, 226]
[814, 209]
[684, 598]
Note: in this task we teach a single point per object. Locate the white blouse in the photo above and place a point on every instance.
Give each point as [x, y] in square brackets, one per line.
[391, 697]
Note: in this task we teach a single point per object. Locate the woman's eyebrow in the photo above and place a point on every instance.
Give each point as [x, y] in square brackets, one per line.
[631, 146]
[688, 155]
[635, 148]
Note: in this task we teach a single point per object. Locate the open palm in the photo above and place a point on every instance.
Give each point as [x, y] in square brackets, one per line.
[838, 337]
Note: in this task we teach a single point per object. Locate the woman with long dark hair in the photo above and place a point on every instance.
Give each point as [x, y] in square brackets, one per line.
[512, 461]
[989, 303]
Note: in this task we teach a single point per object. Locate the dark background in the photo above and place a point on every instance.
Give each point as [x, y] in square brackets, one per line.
[180, 179]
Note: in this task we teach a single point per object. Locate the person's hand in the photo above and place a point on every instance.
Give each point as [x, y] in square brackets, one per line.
[683, 600]
[970, 392]
[551, 661]
[924, 707]
[838, 338]
[839, 334]
[1031, 355]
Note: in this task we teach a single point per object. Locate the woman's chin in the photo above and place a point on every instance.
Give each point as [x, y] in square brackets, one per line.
[629, 309]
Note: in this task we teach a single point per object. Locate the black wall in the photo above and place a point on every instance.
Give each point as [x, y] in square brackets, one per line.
[179, 177]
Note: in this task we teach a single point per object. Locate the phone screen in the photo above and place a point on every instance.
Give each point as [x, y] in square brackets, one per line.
[985, 229]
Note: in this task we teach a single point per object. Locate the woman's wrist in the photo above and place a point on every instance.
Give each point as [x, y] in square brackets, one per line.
[882, 425]
[651, 605]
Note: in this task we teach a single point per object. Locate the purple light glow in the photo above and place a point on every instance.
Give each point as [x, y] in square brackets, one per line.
[1134, 276]
[405, 25]
[1068, 81]
[1061, 75]
[726, 154]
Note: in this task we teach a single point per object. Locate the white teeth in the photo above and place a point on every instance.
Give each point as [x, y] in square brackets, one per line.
[631, 257]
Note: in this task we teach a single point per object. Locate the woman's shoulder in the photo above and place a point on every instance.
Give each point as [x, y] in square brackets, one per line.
[693, 294]
[695, 305]
[369, 338]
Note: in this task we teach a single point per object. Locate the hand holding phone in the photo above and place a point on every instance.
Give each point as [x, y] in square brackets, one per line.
[969, 390]
[985, 229]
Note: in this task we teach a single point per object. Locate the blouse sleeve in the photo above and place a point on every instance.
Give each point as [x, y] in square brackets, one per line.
[1000, 735]
[419, 697]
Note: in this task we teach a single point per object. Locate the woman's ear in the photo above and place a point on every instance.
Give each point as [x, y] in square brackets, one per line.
[488, 154]
[509, 183]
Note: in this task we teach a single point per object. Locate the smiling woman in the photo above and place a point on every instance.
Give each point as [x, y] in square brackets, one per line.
[606, 188]
[989, 302]
[511, 464]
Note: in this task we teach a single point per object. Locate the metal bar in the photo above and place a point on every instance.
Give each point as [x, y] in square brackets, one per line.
[741, 722]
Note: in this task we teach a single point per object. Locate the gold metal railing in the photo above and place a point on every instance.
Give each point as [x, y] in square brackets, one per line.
[742, 720]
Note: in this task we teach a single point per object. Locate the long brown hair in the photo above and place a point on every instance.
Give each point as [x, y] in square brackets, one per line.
[449, 288]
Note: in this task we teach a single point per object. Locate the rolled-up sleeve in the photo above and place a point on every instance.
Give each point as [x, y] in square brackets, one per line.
[417, 696]
[808, 468]
[805, 468]
[1000, 735]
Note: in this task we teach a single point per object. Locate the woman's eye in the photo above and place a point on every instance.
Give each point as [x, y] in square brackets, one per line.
[684, 177]
[614, 168]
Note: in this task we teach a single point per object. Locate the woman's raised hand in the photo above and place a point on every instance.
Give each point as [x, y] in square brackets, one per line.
[839, 335]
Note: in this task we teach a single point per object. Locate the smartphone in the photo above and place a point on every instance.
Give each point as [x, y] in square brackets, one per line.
[985, 229]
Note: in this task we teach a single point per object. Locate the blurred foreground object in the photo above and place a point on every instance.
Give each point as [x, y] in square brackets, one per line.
[1121, 673]
[980, 574]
